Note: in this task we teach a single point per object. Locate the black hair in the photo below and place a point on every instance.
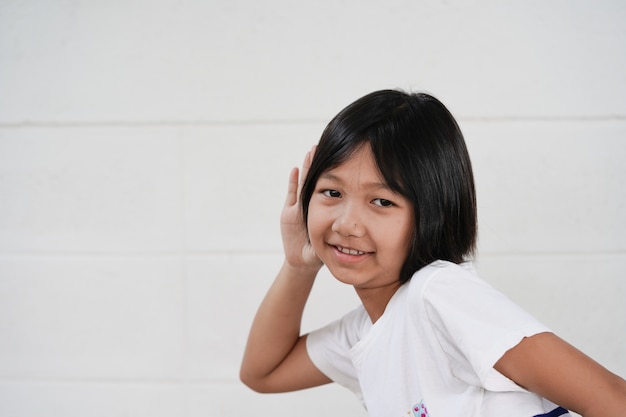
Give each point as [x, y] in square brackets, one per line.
[421, 154]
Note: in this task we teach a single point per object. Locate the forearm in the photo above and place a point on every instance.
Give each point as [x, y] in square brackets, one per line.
[276, 327]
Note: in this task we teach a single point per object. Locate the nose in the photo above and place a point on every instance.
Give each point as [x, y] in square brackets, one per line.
[349, 222]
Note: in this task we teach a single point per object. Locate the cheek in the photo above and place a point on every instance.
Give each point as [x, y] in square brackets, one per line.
[405, 235]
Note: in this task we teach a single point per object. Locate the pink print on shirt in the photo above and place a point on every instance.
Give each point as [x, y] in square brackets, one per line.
[419, 410]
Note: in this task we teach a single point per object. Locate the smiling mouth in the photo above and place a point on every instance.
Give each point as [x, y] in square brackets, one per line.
[350, 251]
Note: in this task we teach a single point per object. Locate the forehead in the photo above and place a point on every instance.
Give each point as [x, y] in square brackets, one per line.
[359, 168]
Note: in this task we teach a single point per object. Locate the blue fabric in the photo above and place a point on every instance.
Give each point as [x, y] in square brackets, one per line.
[559, 411]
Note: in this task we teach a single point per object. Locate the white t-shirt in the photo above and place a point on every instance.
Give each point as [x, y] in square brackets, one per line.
[432, 352]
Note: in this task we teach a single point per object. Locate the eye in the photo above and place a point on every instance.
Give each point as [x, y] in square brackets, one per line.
[382, 202]
[331, 193]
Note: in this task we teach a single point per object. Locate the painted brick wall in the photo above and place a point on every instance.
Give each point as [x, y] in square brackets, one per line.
[144, 152]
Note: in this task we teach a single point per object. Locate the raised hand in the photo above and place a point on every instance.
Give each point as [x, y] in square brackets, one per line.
[298, 251]
[276, 359]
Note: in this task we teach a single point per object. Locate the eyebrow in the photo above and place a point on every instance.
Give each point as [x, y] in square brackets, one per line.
[376, 185]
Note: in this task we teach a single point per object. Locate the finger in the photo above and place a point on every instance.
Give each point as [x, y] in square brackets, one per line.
[306, 164]
[292, 188]
[307, 161]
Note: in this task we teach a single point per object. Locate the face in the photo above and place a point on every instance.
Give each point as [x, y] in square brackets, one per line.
[358, 226]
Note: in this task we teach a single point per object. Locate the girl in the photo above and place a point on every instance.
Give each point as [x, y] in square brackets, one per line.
[388, 205]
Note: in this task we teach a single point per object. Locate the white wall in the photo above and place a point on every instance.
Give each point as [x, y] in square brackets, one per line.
[144, 151]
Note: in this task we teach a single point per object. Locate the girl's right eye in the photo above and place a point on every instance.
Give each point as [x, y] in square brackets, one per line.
[331, 193]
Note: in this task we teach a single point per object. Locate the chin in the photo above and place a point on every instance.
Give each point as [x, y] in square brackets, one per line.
[347, 278]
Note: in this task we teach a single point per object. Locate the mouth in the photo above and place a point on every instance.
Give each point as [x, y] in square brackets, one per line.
[349, 251]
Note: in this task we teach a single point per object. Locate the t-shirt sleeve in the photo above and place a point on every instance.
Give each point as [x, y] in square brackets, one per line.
[475, 325]
[329, 349]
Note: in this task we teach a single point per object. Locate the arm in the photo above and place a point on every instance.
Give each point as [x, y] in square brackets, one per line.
[552, 368]
[275, 359]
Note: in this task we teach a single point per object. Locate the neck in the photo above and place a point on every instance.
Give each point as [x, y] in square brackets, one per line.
[375, 300]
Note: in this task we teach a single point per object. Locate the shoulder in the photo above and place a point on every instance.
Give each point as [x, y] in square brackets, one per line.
[445, 268]
[447, 286]
[329, 348]
[444, 276]
[456, 295]
[342, 333]
[472, 322]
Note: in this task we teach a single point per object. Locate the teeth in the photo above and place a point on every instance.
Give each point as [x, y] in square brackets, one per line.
[350, 251]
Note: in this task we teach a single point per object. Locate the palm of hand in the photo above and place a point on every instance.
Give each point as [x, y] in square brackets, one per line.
[298, 249]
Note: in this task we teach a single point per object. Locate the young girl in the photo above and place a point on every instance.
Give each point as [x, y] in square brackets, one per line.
[388, 205]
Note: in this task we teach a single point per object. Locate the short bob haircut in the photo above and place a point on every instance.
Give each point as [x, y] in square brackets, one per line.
[421, 154]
